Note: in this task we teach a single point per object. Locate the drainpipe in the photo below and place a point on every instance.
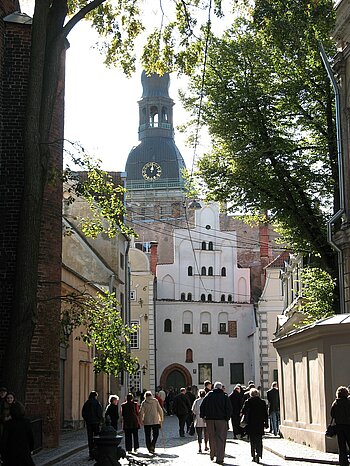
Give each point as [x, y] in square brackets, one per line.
[341, 210]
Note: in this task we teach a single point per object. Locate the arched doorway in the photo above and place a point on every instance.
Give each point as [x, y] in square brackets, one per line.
[175, 376]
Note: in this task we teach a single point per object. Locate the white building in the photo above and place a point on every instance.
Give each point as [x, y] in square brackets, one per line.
[205, 319]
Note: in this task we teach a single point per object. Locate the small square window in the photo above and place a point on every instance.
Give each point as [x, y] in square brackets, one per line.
[222, 327]
[205, 328]
[187, 328]
[220, 362]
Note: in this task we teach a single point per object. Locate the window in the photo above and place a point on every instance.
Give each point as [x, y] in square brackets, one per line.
[135, 336]
[204, 271]
[121, 255]
[236, 373]
[210, 246]
[222, 327]
[204, 372]
[183, 296]
[187, 322]
[187, 328]
[202, 297]
[232, 328]
[205, 328]
[229, 298]
[133, 295]
[275, 375]
[189, 355]
[167, 325]
[210, 298]
[222, 298]
[204, 245]
[220, 362]
[223, 271]
[210, 271]
[205, 322]
[189, 296]
[223, 323]
[190, 271]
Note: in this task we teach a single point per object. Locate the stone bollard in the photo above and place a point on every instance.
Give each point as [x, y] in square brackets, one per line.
[108, 451]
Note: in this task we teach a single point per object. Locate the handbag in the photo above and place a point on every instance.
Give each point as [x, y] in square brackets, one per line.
[243, 423]
[191, 429]
[331, 430]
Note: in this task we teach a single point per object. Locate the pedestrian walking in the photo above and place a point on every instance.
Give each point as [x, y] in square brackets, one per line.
[199, 422]
[207, 386]
[255, 414]
[169, 401]
[340, 412]
[92, 415]
[236, 399]
[191, 397]
[182, 407]
[151, 417]
[112, 411]
[17, 441]
[216, 410]
[273, 398]
[131, 424]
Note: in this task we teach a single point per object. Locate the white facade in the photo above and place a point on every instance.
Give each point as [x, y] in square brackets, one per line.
[205, 321]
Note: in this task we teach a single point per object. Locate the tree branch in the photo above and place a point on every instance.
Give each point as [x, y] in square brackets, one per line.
[80, 15]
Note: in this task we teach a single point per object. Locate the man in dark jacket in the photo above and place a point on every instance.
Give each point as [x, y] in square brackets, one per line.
[273, 398]
[191, 397]
[92, 415]
[255, 414]
[182, 408]
[216, 410]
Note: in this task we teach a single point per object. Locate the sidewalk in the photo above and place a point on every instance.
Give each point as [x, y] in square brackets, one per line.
[292, 451]
[72, 442]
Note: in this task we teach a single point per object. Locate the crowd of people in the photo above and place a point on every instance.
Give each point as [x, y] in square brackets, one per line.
[205, 412]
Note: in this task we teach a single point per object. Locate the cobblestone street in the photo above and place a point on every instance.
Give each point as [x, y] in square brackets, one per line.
[173, 450]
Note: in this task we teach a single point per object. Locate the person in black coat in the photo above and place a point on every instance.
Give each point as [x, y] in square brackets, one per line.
[256, 417]
[340, 412]
[17, 441]
[191, 397]
[182, 408]
[92, 415]
[236, 399]
[131, 425]
[113, 411]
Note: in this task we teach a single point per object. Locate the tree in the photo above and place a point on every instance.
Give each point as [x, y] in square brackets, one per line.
[102, 327]
[268, 104]
[119, 24]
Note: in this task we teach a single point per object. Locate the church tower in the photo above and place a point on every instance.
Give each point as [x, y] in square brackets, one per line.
[155, 183]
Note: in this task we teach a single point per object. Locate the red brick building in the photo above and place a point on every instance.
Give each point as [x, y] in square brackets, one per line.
[42, 399]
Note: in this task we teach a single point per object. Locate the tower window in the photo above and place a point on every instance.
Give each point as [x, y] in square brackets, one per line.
[190, 271]
[210, 298]
[183, 296]
[203, 271]
[222, 298]
[229, 298]
[204, 245]
[210, 271]
[223, 272]
[203, 297]
[210, 246]
[189, 296]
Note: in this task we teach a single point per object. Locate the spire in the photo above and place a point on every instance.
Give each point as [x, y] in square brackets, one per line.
[155, 107]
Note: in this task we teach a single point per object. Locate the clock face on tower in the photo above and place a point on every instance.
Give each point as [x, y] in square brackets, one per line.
[151, 171]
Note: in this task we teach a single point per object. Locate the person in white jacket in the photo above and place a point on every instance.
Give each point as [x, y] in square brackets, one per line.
[199, 422]
[151, 417]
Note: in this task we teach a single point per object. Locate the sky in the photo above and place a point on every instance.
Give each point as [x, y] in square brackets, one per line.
[101, 110]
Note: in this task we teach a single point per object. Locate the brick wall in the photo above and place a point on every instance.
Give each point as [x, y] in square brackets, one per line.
[43, 376]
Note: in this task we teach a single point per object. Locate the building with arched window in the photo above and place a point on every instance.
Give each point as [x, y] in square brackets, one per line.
[208, 320]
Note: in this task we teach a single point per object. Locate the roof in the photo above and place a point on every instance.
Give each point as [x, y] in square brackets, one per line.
[279, 261]
[338, 319]
[155, 149]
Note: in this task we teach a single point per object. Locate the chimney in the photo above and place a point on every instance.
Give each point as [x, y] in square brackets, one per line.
[154, 257]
